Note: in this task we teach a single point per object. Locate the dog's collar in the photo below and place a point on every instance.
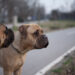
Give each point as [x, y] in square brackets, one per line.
[17, 50]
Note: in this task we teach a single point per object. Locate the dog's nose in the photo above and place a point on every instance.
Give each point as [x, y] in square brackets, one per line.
[44, 37]
[45, 40]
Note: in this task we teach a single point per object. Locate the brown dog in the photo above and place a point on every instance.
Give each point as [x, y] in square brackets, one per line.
[6, 36]
[27, 38]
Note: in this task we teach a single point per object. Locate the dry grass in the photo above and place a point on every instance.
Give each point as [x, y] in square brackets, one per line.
[65, 67]
[55, 25]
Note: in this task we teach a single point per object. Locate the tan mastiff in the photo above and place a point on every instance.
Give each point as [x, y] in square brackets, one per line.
[28, 37]
[6, 36]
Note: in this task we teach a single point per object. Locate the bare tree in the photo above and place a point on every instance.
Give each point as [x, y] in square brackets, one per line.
[73, 6]
[40, 12]
[13, 7]
[20, 8]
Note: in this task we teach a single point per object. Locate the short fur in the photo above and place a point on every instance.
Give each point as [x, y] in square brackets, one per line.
[13, 57]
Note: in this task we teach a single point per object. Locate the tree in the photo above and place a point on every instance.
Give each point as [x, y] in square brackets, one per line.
[40, 12]
[20, 8]
[14, 7]
[54, 15]
[73, 6]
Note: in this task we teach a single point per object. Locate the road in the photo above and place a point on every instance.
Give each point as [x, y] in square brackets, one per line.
[59, 42]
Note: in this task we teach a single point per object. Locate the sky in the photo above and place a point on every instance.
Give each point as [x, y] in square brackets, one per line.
[63, 5]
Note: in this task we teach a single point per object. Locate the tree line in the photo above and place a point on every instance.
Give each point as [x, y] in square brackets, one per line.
[20, 8]
[60, 15]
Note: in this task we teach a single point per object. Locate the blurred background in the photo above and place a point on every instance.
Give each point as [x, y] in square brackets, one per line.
[48, 13]
[51, 15]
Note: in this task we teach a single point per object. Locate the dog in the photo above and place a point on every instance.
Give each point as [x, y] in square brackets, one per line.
[6, 36]
[28, 37]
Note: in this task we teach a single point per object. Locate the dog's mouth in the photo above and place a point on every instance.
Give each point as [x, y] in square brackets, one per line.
[42, 42]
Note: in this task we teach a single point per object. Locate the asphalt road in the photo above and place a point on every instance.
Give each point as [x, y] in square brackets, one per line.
[59, 42]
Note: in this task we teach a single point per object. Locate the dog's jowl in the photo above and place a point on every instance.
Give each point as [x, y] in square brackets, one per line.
[28, 37]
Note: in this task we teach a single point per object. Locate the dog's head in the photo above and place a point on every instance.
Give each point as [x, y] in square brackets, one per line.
[32, 37]
[6, 36]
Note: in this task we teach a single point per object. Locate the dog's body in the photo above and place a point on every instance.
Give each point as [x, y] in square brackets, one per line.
[27, 38]
[6, 36]
[11, 61]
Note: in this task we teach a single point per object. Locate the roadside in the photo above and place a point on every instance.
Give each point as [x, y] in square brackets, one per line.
[63, 65]
[60, 42]
[49, 26]
[56, 25]
[66, 65]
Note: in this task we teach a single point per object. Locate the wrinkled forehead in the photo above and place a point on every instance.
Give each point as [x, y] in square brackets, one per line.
[33, 28]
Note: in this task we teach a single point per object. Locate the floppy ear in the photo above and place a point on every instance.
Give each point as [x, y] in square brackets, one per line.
[9, 39]
[23, 30]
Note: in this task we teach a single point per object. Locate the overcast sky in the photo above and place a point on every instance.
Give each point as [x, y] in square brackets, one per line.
[64, 5]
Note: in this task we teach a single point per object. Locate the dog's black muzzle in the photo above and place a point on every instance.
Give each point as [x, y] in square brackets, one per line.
[42, 42]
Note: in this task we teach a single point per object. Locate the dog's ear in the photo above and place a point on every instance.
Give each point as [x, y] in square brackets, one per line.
[9, 39]
[23, 29]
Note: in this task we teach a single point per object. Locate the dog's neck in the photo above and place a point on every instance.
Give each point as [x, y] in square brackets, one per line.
[18, 43]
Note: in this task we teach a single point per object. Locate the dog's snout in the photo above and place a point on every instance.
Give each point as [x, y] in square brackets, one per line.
[46, 44]
[44, 37]
[45, 40]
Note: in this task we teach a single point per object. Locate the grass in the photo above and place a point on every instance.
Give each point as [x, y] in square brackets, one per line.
[67, 66]
[58, 70]
[55, 25]
[15, 28]
[68, 61]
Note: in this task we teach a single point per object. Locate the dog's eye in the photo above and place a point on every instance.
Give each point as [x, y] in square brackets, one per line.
[36, 33]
